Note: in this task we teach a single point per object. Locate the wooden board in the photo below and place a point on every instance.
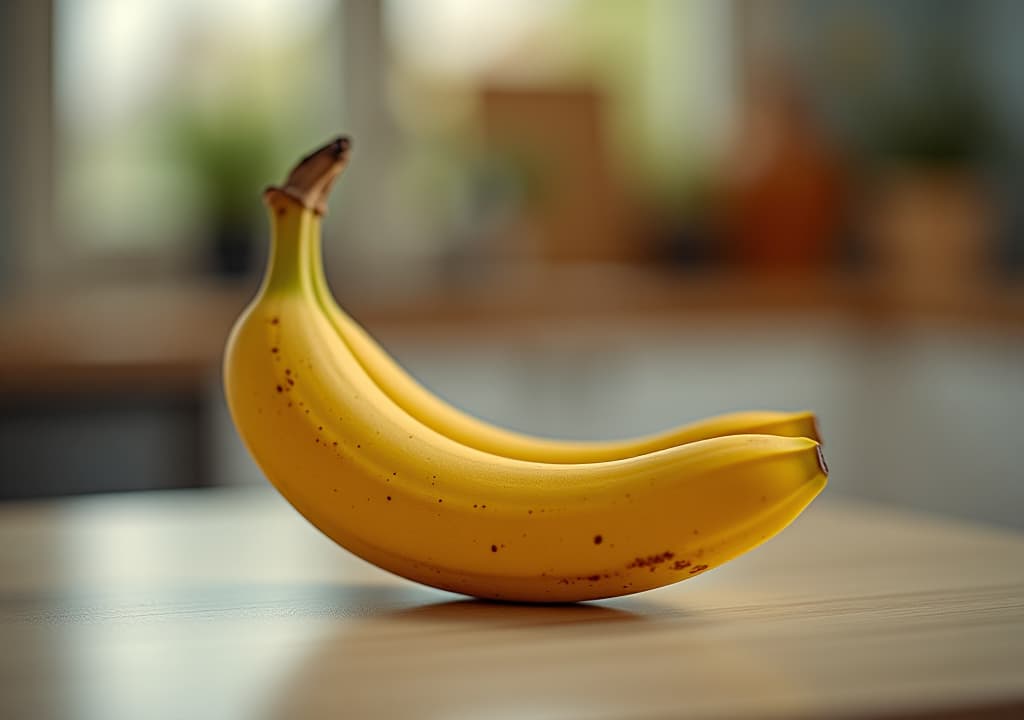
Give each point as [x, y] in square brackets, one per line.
[225, 604]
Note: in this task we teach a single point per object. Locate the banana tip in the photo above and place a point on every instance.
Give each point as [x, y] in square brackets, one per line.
[340, 145]
[336, 149]
[821, 460]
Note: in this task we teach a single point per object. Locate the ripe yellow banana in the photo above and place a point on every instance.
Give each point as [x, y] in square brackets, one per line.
[416, 502]
[448, 420]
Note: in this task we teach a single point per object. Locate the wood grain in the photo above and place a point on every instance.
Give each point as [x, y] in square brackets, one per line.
[226, 604]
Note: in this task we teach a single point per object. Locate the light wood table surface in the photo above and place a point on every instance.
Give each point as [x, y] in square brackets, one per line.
[225, 604]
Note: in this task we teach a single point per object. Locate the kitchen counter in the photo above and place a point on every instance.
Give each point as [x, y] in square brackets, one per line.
[162, 337]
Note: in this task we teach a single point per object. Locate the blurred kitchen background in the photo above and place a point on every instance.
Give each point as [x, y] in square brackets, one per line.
[585, 219]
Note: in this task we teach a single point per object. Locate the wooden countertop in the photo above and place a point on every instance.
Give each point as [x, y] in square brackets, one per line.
[160, 336]
[225, 604]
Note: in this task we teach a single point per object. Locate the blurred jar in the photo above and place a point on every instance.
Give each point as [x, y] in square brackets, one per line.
[930, 231]
[785, 184]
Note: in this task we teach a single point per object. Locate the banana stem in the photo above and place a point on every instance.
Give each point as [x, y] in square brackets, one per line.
[309, 183]
[295, 210]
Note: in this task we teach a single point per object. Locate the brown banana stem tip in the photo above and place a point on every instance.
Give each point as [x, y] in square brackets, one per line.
[309, 183]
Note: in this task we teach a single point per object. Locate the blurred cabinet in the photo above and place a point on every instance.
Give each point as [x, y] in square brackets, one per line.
[67, 444]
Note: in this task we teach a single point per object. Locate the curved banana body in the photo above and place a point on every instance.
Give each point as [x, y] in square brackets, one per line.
[448, 420]
[417, 503]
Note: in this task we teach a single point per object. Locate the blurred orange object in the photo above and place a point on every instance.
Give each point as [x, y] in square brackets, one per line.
[784, 185]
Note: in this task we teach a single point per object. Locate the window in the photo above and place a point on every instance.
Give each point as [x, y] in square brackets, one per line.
[168, 111]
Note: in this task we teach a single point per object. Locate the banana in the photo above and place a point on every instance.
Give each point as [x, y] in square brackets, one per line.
[448, 420]
[416, 502]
